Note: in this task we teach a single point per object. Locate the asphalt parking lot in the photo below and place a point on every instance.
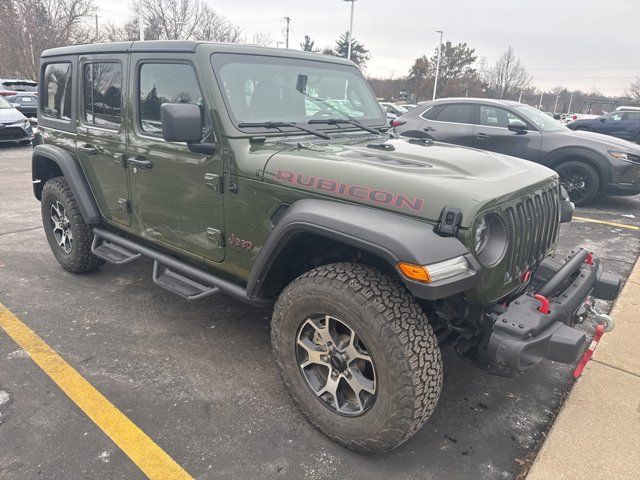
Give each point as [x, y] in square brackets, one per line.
[198, 378]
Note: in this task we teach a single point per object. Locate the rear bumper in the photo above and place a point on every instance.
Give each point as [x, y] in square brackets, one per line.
[525, 332]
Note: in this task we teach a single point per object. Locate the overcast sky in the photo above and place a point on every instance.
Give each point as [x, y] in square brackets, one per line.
[580, 44]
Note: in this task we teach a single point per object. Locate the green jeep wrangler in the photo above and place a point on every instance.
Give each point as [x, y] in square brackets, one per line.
[270, 175]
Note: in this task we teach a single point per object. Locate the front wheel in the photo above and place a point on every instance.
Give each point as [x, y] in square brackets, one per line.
[580, 180]
[358, 355]
[68, 235]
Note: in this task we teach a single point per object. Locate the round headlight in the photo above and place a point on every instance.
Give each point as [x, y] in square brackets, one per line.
[490, 239]
[482, 235]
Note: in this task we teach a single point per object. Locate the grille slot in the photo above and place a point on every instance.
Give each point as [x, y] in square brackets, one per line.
[532, 227]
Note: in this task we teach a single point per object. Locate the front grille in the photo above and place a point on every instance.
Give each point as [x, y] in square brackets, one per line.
[12, 133]
[532, 227]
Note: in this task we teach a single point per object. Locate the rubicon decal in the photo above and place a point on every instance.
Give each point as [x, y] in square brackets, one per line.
[356, 192]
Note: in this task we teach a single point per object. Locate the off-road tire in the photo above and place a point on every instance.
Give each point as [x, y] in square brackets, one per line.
[79, 259]
[399, 339]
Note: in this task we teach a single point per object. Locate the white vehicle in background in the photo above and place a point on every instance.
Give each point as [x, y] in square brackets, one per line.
[393, 109]
[627, 109]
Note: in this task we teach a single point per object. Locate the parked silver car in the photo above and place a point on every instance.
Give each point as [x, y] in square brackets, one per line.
[14, 126]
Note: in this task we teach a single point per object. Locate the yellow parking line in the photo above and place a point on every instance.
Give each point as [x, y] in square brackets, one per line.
[604, 222]
[144, 452]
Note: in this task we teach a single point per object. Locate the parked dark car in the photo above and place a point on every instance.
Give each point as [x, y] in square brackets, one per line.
[621, 124]
[12, 86]
[588, 163]
[14, 126]
[25, 102]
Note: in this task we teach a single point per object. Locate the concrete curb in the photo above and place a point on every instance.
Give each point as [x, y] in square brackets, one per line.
[597, 433]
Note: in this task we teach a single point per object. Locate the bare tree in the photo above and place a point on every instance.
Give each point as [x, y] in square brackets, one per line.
[262, 39]
[31, 26]
[508, 76]
[176, 20]
[634, 90]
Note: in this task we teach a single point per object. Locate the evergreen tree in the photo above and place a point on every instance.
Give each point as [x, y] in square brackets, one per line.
[359, 54]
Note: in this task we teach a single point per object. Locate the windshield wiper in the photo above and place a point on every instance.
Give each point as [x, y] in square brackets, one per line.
[336, 121]
[284, 124]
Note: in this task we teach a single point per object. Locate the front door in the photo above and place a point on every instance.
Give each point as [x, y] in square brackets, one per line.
[101, 140]
[176, 194]
[492, 133]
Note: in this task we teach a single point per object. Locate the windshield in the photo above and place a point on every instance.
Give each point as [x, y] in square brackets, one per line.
[259, 88]
[20, 86]
[4, 104]
[542, 121]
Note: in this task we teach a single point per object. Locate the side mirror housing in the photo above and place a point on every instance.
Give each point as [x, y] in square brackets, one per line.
[518, 127]
[181, 122]
[602, 119]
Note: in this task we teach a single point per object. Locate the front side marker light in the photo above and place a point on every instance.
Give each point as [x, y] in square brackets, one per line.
[414, 272]
[434, 271]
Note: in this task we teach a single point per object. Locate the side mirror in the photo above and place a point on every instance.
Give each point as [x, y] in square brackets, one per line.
[181, 122]
[602, 119]
[518, 127]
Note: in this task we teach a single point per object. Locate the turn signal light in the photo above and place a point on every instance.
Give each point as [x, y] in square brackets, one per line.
[414, 272]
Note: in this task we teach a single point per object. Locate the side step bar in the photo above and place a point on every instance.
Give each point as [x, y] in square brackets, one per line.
[168, 272]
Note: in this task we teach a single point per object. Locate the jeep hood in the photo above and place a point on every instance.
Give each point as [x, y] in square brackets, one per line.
[412, 178]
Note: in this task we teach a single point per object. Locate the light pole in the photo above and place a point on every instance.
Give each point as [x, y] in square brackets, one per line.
[140, 20]
[350, 30]
[435, 83]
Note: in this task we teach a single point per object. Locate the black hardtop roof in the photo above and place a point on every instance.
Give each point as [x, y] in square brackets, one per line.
[186, 46]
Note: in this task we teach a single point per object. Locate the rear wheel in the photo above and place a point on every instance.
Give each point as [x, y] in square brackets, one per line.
[580, 180]
[68, 235]
[358, 355]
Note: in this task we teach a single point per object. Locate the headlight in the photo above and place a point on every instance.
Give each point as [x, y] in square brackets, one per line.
[481, 235]
[490, 239]
[628, 157]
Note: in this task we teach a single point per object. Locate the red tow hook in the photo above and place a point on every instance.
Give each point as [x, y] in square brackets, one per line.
[589, 352]
[544, 303]
[589, 259]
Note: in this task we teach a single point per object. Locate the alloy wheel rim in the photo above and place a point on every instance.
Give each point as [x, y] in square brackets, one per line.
[576, 183]
[336, 365]
[61, 227]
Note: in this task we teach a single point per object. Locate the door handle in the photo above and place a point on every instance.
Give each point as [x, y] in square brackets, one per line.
[429, 129]
[482, 136]
[88, 149]
[140, 162]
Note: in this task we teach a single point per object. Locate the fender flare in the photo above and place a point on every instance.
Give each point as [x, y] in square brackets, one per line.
[390, 236]
[595, 158]
[72, 172]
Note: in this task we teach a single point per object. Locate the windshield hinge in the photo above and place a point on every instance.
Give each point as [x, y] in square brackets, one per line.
[450, 219]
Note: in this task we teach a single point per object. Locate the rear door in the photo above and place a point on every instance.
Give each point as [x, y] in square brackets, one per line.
[631, 126]
[491, 133]
[176, 193]
[450, 123]
[101, 140]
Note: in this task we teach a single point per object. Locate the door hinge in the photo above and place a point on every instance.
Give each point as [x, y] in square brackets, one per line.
[124, 205]
[216, 236]
[119, 159]
[213, 181]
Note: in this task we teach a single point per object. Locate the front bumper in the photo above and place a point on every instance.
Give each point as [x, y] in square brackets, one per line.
[527, 331]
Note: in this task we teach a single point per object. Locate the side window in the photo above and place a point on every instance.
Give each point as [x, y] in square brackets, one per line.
[166, 83]
[431, 113]
[102, 94]
[632, 116]
[56, 96]
[456, 113]
[497, 117]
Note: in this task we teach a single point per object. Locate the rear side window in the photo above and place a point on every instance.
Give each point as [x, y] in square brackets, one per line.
[632, 116]
[102, 94]
[166, 83]
[456, 113]
[56, 94]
